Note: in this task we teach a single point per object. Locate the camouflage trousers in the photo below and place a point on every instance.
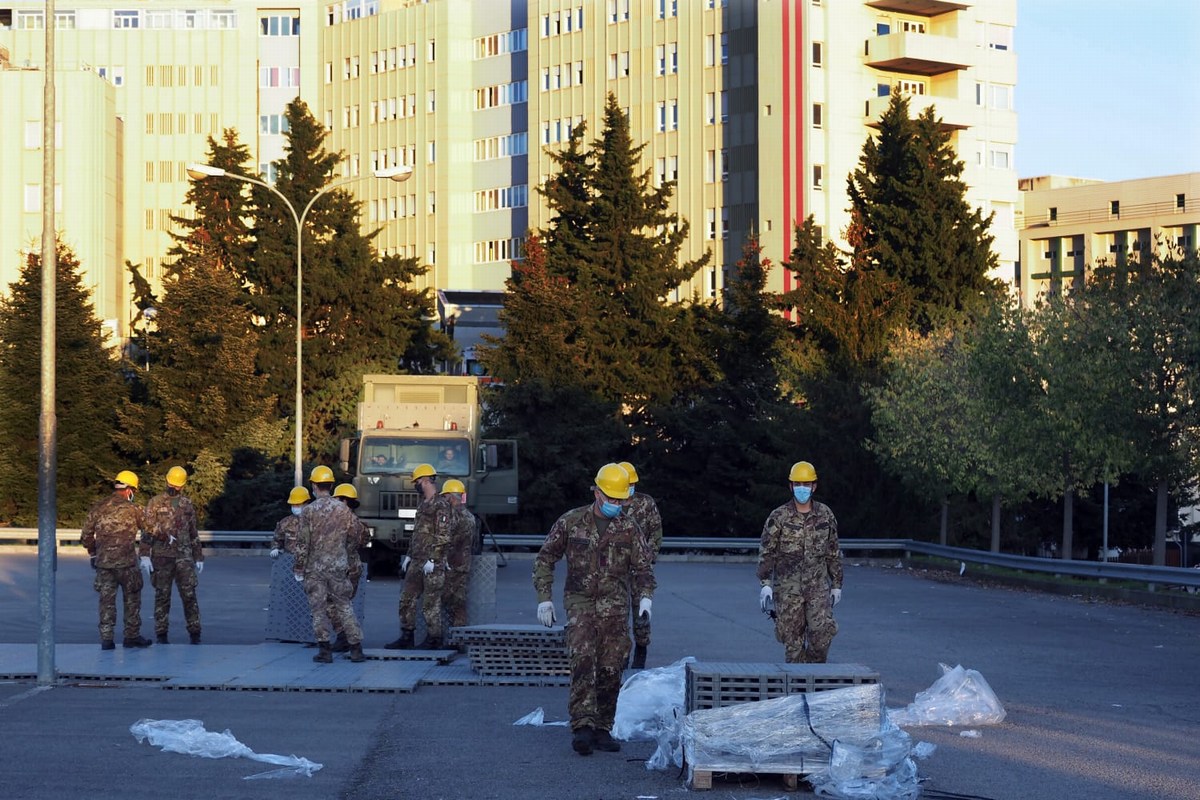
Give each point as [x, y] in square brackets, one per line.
[129, 579]
[454, 597]
[330, 594]
[170, 571]
[353, 575]
[641, 625]
[427, 587]
[804, 622]
[599, 648]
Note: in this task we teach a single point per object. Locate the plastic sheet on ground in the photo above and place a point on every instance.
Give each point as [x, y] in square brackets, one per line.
[189, 737]
[537, 717]
[650, 709]
[793, 734]
[959, 697]
[880, 768]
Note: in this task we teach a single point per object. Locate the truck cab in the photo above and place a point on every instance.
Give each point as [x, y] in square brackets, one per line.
[406, 420]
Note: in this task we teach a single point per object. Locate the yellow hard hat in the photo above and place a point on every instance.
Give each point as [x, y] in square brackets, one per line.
[613, 480]
[298, 496]
[128, 478]
[321, 474]
[176, 476]
[423, 471]
[453, 486]
[346, 490]
[633, 476]
[802, 472]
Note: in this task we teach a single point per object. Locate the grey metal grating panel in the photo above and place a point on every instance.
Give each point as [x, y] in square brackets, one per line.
[288, 615]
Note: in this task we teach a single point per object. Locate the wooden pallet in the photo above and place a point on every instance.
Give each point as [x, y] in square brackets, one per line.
[702, 777]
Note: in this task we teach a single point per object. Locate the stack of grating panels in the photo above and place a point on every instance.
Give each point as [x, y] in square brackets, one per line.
[515, 650]
[713, 685]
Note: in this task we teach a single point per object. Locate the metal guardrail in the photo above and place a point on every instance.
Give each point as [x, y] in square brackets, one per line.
[1098, 570]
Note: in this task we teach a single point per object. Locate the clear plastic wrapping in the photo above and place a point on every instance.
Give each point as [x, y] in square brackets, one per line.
[188, 736]
[959, 697]
[650, 709]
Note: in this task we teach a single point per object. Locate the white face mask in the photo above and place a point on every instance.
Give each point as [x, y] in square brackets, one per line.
[296, 510]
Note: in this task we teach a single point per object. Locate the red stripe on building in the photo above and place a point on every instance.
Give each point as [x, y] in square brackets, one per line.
[786, 140]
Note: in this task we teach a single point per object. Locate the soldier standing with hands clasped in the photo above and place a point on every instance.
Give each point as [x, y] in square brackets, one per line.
[175, 555]
[110, 535]
[800, 570]
[608, 559]
[328, 528]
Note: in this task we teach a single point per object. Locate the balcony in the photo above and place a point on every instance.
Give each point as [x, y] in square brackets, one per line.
[919, 53]
[919, 8]
[955, 114]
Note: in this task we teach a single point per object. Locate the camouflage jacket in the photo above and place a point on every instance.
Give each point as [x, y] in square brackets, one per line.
[462, 540]
[800, 549]
[603, 569]
[171, 529]
[286, 531]
[110, 532]
[328, 531]
[643, 509]
[432, 530]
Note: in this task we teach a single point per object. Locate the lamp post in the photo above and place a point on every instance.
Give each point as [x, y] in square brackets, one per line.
[148, 315]
[201, 171]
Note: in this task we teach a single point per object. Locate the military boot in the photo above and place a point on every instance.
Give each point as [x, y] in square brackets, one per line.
[602, 740]
[107, 644]
[639, 657]
[405, 642]
[195, 636]
[324, 655]
[140, 641]
[356, 653]
[340, 645]
[431, 643]
[581, 742]
[161, 638]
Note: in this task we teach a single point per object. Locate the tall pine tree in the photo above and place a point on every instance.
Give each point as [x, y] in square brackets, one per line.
[87, 389]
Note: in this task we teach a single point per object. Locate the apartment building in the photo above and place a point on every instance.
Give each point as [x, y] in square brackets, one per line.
[1071, 224]
[757, 109]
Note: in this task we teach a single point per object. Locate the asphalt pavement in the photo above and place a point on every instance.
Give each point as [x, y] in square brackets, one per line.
[1102, 700]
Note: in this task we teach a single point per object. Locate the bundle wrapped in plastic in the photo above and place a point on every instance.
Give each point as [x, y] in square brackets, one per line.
[879, 768]
[650, 709]
[792, 734]
[188, 736]
[959, 697]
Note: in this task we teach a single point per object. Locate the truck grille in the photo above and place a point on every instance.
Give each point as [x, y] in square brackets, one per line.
[394, 501]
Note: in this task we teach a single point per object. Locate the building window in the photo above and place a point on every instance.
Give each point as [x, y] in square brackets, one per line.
[710, 166]
[1180, 202]
[724, 48]
[818, 176]
[126, 19]
[723, 163]
[816, 54]
[710, 223]
[999, 37]
[279, 25]
[710, 50]
[999, 158]
[1054, 213]
[1114, 208]
[817, 108]
[724, 106]
[710, 108]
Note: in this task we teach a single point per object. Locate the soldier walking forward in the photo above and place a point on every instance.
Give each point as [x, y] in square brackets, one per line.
[327, 530]
[608, 559]
[800, 570]
[176, 558]
[110, 535]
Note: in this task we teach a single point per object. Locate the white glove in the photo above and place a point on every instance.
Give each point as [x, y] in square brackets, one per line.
[428, 568]
[404, 564]
[199, 567]
[836, 596]
[299, 578]
[766, 599]
[546, 613]
[147, 567]
[274, 552]
[644, 608]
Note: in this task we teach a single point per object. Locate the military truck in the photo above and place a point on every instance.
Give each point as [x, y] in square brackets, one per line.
[406, 420]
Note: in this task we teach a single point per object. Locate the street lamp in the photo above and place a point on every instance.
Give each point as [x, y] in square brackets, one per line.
[148, 315]
[197, 172]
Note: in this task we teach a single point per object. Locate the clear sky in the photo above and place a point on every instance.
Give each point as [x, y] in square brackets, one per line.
[1108, 89]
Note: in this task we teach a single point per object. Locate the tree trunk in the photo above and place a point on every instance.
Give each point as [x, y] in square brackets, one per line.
[1160, 524]
[945, 524]
[996, 523]
[1068, 540]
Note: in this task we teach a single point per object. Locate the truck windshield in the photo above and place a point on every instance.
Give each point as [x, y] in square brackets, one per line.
[450, 457]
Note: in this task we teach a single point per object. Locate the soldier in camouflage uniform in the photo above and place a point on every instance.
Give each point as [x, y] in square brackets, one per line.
[458, 556]
[424, 567]
[328, 529]
[800, 570]
[608, 559]
[175, 555]
[110, 535]
[346, 493]
[288, 528]
[644, 511]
